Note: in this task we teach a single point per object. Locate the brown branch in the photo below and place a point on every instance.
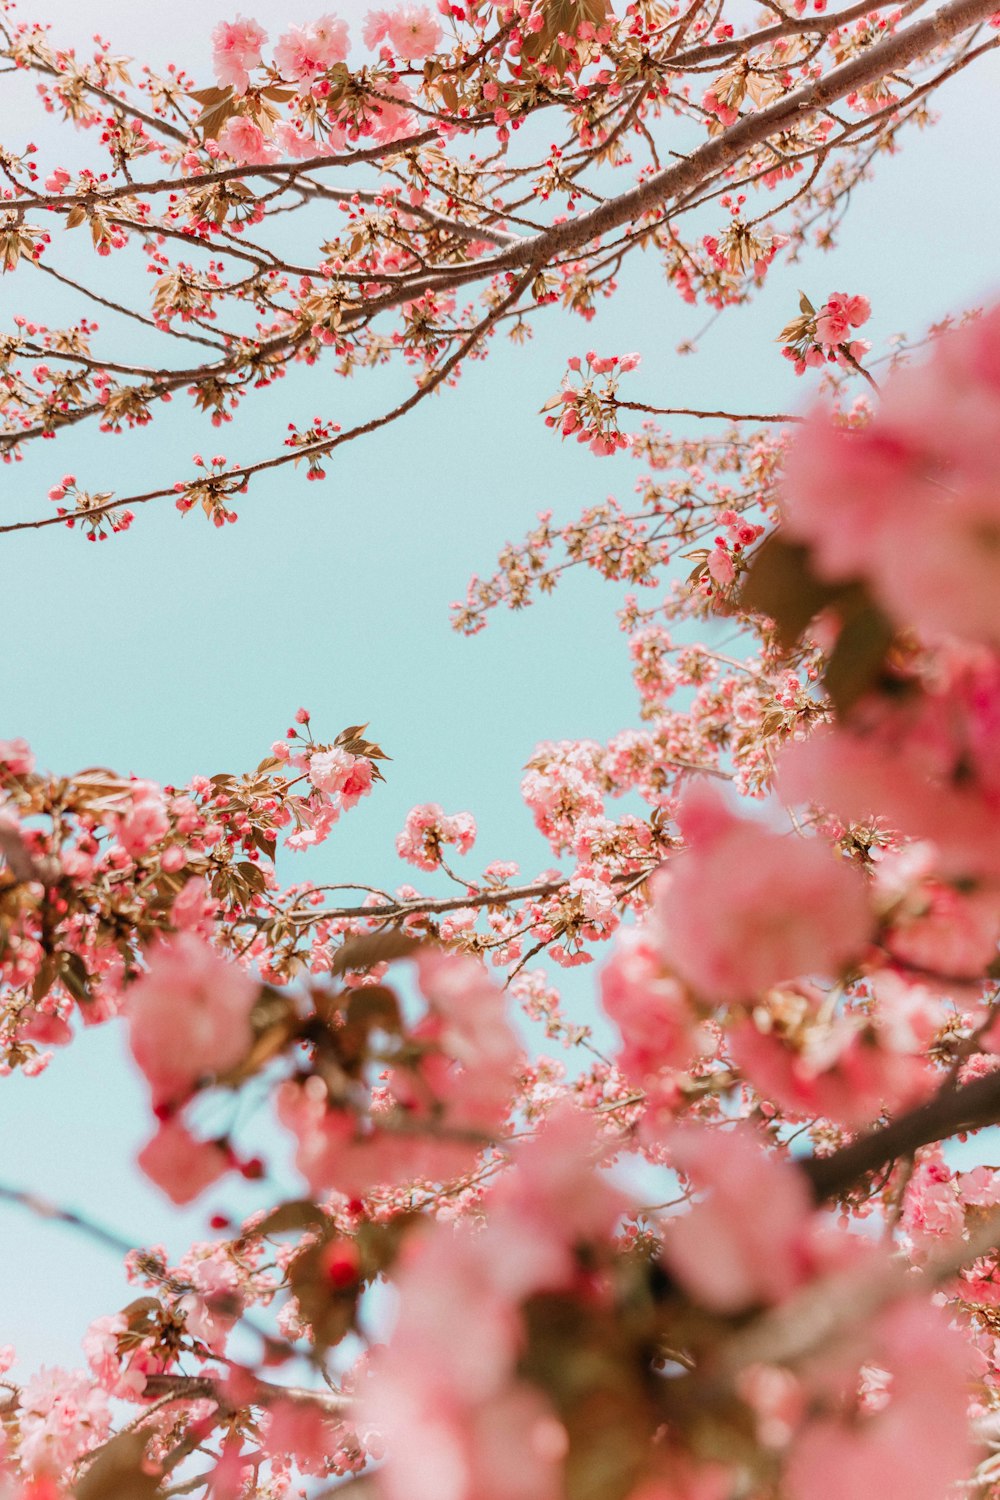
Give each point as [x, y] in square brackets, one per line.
[42, 1208]
[501, 896]
[887, 56]
[676, 182]
[951, 1111]
[434, 379]
[741, 45]
[841, 1305]
[265, 1392]
[687, 411]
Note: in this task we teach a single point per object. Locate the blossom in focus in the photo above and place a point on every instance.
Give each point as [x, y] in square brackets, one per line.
[839, 314]
[336, 771]
[428, 827]
[246, 143]
[411, 30]
[302, 52]
[236, 47]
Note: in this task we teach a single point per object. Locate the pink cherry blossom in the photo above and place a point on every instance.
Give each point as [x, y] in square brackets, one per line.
[295, 142]
[375, 29]
[182, 1166]
[146, 822]
[844, 1069]
[336, 771]
[427, 828]
[840, 313]
[459, 1087]
[304, 51]
[120, 1360]
[743, 908]
[189, 1016]
[727, 1254]
[650, 1008]
[458, 1421]
[917, 1446]
[302, 1429]
[62, 1415]
[245, 142]
[930, 766]
[411, 30]
[926, 464]
[236, 48]
[16, 757]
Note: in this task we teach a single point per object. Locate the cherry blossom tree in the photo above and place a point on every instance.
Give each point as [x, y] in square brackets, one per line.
[728, 1252]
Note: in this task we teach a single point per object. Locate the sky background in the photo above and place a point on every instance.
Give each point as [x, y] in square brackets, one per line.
[179, 648]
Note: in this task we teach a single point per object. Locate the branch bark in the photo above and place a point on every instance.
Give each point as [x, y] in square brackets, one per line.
[950, 1112]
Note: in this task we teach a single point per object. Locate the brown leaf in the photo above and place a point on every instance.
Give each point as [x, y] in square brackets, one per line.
[140, 1310]
[117, 1473]
[275, 1022]
[300, 1213]
[352, 732]
[265, 843]
[374, 1007]
[858, 659]
[380, 947]
[207, 98]
[213, 120]
[44, 979]
[252, 874]
[75, 976]
[329, 1310]
[15, 852]
[780, 583]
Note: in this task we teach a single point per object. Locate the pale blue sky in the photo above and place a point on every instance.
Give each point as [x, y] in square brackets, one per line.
[178, 648]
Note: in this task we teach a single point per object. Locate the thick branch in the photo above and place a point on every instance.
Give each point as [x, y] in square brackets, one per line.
[951, 1111]
[265, 1392]
[889, 56]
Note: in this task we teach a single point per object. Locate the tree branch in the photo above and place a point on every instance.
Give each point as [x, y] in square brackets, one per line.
[950, 1112]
